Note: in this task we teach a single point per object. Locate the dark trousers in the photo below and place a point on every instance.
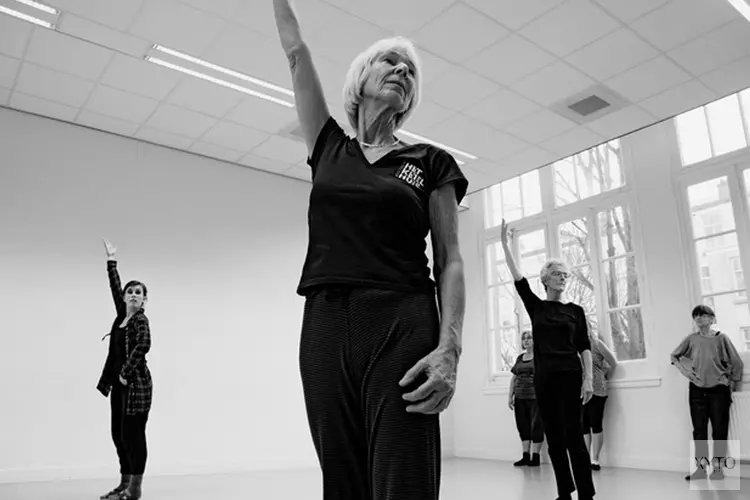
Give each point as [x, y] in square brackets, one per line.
[592, 415]
[355, 346]
[559, 398]
[128, 433]
[528, 421]
[710, 405]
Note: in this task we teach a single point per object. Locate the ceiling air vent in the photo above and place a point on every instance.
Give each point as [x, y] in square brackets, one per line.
[590, 104]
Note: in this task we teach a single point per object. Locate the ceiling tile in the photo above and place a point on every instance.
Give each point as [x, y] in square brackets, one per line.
[501, 108]
[42, 107]
[118, 104]
[613, 54]
[631, 9]
[140, 77]
[67, 54]
[8, 71]
[730, 78]
[303, 174]
[214, 151]
[679, 99]
[177, 26]
[529, 159]
[164, 138]
[118, 41]
[359, 35]
[4, 96]
[570, 26]
[477, 180]
[262, 115]
[649, 78]
[14, 34]
[106, 123]
[432, 66]
[514, 14]
[540, 126]
[621, 122]
[180, 121]
[427, 115]
[572, 142]
[411, 15]
[114, 13]
[241, 49]
[471, 32]
[281, 149]
[553, 83]
[235, 137]
[509, 60]
[53, 86]
[459, 89]
[715, 49]
[266, 164]
[314, 15]
[205, 97]
[696, 17]
[469, 135]
[226, 9]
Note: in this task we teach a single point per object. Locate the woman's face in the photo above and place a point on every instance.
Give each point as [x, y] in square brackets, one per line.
[527, 342]
[392, 79]
[704, 320]
[557, 277]
[134, 297]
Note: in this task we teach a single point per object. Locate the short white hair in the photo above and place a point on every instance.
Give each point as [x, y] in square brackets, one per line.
[546, 268]
[360, 70]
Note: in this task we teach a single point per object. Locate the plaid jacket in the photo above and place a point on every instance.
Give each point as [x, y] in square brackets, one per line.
[137, 344]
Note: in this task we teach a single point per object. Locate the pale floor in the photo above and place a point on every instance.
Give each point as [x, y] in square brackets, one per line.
[463, 479]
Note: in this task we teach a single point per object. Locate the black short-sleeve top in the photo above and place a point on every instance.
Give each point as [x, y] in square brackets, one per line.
[368, 223]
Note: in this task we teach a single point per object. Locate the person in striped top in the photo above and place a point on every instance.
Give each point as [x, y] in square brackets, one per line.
[603, 364]
[522, 400]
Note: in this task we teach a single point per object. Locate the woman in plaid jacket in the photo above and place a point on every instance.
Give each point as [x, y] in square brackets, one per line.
[126, 380]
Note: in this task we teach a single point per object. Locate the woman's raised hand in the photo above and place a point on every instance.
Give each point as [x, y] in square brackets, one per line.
[109, 248]
[504, 232]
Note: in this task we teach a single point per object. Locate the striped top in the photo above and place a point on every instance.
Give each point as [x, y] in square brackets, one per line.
[599, 367]
[523, 386]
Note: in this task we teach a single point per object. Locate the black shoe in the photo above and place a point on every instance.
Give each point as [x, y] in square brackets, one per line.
[697, 475]
[596, 467]
[124, 481]
[535, 460]
[524, 461]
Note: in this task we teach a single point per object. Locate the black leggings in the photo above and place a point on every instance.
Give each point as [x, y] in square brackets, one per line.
[559, 398]
[592, 415]
[355, 347]
[128, 433]
[710, 405]
[528, 421]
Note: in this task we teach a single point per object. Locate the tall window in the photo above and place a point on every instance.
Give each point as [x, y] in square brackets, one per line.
[717, 253]
[590, 232]
[715, 129]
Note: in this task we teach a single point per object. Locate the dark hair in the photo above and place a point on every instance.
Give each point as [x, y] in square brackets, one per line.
[525, 332]
[133, 283]
[703, 309]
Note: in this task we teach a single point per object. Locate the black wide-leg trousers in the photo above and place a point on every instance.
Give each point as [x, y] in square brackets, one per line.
[356, 345]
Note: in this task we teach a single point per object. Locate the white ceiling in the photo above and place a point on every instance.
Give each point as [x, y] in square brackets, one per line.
[492, 71]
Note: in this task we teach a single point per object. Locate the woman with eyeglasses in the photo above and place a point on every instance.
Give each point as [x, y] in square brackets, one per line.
[563, 371]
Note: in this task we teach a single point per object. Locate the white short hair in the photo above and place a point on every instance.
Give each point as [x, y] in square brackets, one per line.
[360, 70]
[547, 266]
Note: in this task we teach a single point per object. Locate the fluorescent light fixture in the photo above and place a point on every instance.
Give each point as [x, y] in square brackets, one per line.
[26, 17]
[39, 6]
[221, 69]
[218, 81]
[435, 143]
[742, 7]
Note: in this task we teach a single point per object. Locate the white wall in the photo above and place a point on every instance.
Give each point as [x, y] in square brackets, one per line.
[647, 423]
[220, 248]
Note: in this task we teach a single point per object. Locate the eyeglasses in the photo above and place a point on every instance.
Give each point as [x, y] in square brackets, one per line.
[559, 274]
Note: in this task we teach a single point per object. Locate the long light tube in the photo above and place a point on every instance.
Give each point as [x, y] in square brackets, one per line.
[26, 17]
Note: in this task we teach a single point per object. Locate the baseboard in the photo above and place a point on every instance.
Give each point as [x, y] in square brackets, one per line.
[61, 473]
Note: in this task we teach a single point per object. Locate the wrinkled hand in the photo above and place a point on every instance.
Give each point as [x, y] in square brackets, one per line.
[587, 390]
[435, 394]
[109, 248]
[123, 381]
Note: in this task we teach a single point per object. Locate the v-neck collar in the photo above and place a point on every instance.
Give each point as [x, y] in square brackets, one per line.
[369, 164]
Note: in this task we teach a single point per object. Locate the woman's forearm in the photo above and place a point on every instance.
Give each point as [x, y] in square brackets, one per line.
[511, 262]
[452, 305]
[588, 367]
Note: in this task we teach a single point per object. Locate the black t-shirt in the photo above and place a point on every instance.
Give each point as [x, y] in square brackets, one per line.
[560, 331]
[367, 224]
